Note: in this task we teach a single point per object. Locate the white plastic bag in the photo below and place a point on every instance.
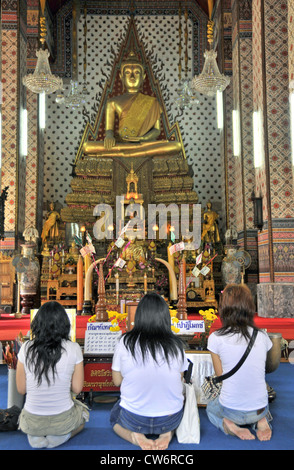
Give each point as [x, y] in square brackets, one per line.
[188, 432]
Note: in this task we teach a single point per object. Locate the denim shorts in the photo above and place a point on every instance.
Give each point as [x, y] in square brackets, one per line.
[217, 412]
[144, 424]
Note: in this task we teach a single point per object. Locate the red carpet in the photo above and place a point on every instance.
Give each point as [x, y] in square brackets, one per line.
[10, 326]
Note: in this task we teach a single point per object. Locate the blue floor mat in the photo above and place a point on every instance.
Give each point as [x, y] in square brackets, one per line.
[98, 435]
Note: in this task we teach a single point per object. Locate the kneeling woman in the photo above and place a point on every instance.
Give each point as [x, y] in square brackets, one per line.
[148, 365]
[49, 368]
[243, 399]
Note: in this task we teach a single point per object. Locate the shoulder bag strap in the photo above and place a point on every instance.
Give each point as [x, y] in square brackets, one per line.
[220, 378]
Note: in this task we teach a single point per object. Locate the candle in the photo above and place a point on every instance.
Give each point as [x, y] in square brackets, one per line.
[80, 285]
[184, 269]
[145, 283]
[171, 261]
[117, 282]
[117, 286]
[87, 264]
[122, 306]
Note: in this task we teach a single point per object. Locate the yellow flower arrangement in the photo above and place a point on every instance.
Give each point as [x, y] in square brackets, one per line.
[209, 318]
[92, 319]
[118, 320]
[173, 313]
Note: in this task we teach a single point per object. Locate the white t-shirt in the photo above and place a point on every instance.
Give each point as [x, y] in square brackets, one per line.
[149, 388]
[246, 389]
[56, 398]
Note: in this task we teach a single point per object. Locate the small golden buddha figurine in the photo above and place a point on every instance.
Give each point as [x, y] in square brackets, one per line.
[139, 120]
[210, 232]
[45, 252]
[73, 251]
[50, 227]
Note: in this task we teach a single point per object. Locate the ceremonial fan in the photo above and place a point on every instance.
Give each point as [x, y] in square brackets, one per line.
[244, 259]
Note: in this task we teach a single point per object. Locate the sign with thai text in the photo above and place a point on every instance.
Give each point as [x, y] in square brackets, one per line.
[190, 327]
[99, 339]
[98, 377]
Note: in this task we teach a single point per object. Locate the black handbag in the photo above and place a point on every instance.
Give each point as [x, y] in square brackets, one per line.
[212, 385]
[9, 419]
[188, 372]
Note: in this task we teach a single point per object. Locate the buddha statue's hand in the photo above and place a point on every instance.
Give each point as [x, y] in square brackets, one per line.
[132, 139]
[109, 140]
[150, 136]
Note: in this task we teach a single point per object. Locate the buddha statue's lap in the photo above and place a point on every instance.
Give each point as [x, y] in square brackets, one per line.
[139, 121]
[123, 149]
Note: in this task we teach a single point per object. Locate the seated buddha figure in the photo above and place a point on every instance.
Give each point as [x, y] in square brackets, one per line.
[139, 120]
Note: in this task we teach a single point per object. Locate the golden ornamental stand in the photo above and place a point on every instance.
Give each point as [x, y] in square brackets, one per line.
[100, 308]
[182, 303]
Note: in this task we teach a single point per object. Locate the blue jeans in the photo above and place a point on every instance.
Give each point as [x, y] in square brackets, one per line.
[144, 424]
[217, 412]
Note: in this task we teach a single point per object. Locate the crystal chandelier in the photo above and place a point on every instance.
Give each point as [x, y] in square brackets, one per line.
[210, 81]
[186, 98]
[42, 80]
[75, 97]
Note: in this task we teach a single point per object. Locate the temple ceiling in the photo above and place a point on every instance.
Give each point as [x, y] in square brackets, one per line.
[55, 5]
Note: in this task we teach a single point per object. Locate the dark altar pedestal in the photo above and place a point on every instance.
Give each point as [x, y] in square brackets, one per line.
[98, 375]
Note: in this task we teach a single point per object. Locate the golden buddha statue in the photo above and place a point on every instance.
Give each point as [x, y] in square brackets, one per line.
[210, 232]
[139, 120]
[50, 228]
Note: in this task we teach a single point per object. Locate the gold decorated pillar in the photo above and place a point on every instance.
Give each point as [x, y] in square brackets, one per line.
[13, 104]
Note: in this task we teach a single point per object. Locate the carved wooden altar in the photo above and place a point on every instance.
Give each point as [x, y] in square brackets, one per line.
[7, 280]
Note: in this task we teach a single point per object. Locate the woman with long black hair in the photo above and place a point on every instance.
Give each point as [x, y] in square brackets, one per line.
[50, 367]
[148, 365]
[243, 399]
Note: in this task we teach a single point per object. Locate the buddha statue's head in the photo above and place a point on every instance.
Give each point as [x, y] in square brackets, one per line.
[132, 73]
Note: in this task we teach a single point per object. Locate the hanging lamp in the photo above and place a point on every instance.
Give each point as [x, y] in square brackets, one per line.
[210, 81]
[42, 80]
[76, 97]
[186, 96]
